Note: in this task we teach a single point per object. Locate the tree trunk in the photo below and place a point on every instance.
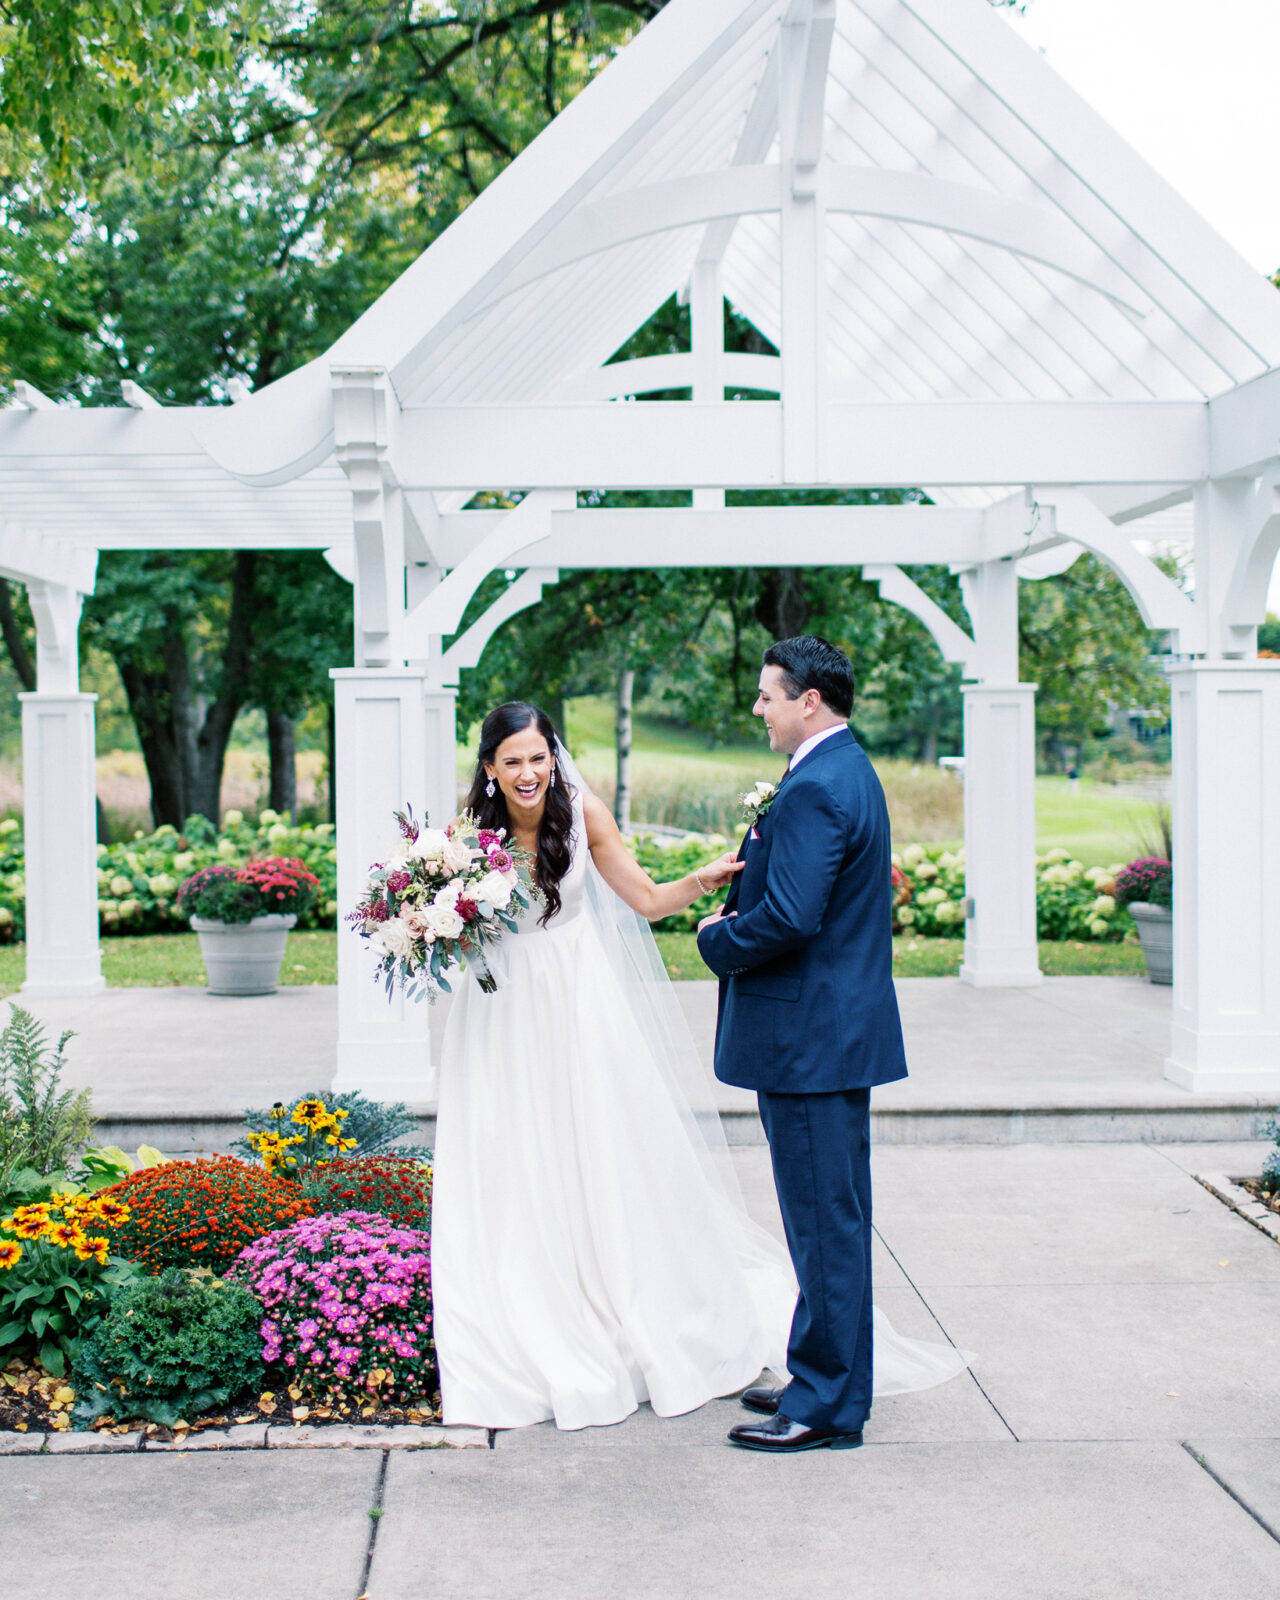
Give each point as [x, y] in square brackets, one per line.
[151, 696]
[14, 641]
[282, 750]
[333, 760]
[929, 755]
[185, 751]
[622, 792]
[215, 730]
[783, 606]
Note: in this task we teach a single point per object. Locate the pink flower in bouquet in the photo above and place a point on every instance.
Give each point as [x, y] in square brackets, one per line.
[468, 910]
[500, 861]
[487, 838]
[398, 882]
[419, 921]
[377, 912]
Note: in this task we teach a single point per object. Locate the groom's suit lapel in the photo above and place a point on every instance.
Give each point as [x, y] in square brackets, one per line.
[837, 741]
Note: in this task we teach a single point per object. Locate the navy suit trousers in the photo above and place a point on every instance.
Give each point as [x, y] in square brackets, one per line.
[821, 1150]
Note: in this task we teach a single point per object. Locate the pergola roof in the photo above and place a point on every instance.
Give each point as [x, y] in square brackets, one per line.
[989, 243]
[921, 95]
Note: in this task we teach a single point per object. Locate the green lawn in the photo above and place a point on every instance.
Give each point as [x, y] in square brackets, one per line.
[164, 960]
[940, 958]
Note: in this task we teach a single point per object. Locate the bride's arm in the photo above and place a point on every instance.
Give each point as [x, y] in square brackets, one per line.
[631, 883]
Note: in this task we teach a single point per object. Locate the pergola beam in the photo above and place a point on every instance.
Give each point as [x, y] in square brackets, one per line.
[910, 197]
[743, 536]
[674, 444]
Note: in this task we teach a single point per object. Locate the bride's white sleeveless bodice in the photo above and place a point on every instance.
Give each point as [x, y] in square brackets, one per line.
[583, 1257]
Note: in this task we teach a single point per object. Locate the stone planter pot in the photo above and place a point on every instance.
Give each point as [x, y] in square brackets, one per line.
[1155, 930]
[243, 957]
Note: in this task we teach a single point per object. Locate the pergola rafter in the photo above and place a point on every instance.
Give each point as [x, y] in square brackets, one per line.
[975, 288]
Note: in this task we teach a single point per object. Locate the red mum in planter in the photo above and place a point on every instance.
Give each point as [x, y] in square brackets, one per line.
[201, 1213]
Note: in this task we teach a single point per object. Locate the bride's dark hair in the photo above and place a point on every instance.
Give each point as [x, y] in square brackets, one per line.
[555, 843]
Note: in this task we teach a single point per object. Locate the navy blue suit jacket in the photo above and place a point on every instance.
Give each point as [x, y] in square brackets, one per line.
[807, 1004]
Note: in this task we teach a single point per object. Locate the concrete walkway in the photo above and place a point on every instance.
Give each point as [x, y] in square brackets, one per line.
[1118, 1437]
[1073, 1059]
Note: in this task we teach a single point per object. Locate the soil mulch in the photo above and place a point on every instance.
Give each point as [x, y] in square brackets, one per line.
[1263, 1191]
[35, 1401]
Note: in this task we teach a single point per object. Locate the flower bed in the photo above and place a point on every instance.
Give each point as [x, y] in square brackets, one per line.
[138, 881]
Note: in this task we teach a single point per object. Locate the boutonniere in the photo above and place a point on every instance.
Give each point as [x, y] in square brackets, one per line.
[758, 800]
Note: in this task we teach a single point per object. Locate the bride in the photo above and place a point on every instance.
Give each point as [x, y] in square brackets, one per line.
[590, 1248]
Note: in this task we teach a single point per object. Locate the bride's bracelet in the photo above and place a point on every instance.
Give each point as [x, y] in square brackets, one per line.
[697, 878]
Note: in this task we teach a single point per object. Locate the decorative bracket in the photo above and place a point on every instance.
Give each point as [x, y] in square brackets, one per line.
[895, 586]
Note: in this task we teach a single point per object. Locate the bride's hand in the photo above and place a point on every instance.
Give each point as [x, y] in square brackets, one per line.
[720, 871]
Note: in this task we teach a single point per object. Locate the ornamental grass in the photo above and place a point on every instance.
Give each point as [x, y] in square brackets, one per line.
[348, 1317]
[396, 1187]
[202, 1213]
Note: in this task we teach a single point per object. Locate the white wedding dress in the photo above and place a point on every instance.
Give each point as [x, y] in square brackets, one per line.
[590, 1249]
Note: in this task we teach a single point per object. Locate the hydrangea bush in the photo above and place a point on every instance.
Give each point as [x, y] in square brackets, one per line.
[1072, 901]
[663, 857]
[138, 881]
[347, 1302]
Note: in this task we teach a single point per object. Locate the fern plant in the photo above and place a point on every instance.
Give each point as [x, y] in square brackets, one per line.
[42, 1125]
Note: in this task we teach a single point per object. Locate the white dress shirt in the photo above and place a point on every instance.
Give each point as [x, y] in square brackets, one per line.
[812, 743]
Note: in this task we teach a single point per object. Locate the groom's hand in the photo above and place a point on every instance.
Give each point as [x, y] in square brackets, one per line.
[719, 916]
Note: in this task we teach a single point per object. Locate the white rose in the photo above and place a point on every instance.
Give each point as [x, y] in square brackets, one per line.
[457, 856]
[447, 894]
[495, 888]
[393, 938]
[430, 845]
[446, 922]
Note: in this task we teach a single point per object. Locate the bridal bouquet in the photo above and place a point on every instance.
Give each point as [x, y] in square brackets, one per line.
[437, 902]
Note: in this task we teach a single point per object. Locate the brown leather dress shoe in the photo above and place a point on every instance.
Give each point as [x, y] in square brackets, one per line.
[761, 1399]
[782, 1436]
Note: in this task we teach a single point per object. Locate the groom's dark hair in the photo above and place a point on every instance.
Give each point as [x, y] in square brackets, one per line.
[807, 662]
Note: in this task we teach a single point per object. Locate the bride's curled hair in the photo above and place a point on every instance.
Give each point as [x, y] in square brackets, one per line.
[555, 832]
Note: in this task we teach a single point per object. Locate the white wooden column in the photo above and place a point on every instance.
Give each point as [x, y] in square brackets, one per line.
[706, 324]
[804, 53]
[388, 739]
[1225, 1034]
[1000, 948]
[60, 821]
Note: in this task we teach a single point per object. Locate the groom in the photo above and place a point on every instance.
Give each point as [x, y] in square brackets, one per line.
[808, 1018]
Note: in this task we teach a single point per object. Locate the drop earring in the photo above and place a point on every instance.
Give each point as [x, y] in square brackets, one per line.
[553, 777]
[489, 788]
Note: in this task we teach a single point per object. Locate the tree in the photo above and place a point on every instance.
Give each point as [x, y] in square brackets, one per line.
[1083, 643]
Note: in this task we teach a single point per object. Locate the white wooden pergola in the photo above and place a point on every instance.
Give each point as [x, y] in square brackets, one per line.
[975, 286]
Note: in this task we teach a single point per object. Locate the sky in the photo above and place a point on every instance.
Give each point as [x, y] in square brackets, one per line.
[1192, 85]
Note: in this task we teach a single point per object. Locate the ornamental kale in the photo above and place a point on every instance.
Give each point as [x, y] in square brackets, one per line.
[169, 1348]
[348, 1308]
